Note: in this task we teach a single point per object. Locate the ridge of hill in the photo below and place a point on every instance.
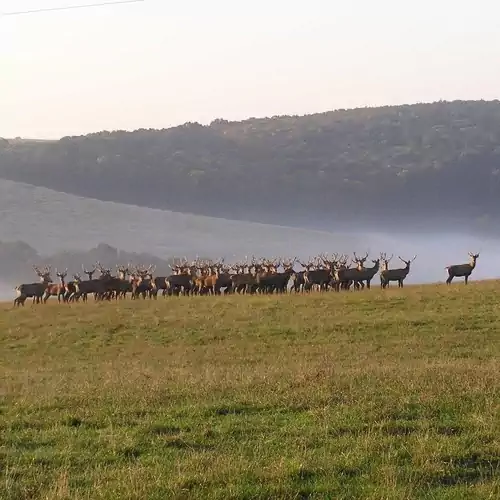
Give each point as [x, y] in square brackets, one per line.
[395, 164]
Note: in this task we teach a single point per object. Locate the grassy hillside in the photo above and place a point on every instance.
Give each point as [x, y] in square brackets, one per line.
[438, 160]
[359, 395]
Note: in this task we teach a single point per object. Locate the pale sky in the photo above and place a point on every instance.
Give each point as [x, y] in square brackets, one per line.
[161, 63]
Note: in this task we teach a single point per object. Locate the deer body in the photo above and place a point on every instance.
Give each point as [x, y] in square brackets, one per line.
[34, 290]
[462, 270]
[56, 289]
[399, 275]
[29, 290]
[368, 273]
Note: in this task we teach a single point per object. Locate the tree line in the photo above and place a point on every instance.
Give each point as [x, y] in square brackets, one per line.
[368, 164]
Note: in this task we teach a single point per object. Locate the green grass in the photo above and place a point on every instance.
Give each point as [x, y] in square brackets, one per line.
[369, 395]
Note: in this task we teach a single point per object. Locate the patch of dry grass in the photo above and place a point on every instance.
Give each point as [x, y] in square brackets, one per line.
[362, 395]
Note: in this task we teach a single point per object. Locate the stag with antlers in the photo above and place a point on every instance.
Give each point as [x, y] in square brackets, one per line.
[387, 275]
[462, 270]
[56, 289]
[33, 290]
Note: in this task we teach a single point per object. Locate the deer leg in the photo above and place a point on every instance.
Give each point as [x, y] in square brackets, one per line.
[466, 279]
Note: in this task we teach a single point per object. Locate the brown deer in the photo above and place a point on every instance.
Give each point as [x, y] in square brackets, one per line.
[399, 275]
[462, 270]
[56, 289]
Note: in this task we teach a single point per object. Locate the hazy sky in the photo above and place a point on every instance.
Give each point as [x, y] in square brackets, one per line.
[164, 62]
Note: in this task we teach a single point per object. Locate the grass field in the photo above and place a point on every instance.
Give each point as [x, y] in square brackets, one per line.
[371, 395]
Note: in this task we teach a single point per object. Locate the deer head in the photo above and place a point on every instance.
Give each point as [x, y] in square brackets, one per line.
[385, 260]
[62, 275]
[473, 258]
[43, 274]
[360, 261]
[90, 273]
[407, 262]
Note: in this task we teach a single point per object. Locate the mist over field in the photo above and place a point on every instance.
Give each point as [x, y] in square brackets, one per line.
[58, 225]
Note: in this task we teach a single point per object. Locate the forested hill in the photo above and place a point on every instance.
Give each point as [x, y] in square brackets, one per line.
[430, 160]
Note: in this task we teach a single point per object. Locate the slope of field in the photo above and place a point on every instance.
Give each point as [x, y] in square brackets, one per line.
[51, 221]
[360, 395]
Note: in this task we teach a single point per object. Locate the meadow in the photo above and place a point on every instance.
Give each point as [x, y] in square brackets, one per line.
[364, 395]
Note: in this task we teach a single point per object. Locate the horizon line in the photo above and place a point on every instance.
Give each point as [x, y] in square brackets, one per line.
[290, 115]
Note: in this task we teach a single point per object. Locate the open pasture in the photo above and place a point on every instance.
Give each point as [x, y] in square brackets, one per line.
[387, 394]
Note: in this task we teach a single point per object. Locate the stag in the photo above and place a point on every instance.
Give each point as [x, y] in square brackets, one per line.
[278, 281]
[368, 273]
[108, 285]
[83, 288]
[56, 289]
[90, 274]
[125, 285]
[316, 274]
[399, 275]
[462, 270]
[245, 278]
[34, 290]
[143, 283]
[345, 276]
[181, 281]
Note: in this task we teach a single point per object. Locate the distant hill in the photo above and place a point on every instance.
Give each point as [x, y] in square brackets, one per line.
[391, 165]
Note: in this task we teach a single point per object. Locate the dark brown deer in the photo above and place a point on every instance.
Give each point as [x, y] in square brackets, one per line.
[33, 290]
[462, 270]
[399, 275]
[368, 273]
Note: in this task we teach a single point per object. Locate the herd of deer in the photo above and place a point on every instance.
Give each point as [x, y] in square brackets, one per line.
[202, 277]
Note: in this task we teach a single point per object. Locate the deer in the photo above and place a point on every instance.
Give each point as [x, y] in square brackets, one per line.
[399, 275]
[278, 281]
[316, 274]
[83, 288]
[462, 270]
[34, 290]
[124, 285]
[368, 273]
[144, 284]
[345, 276]
[71, 289]
[56, 289]
[90, 274]
[182, 278]
[360, 266]
[244, 279]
